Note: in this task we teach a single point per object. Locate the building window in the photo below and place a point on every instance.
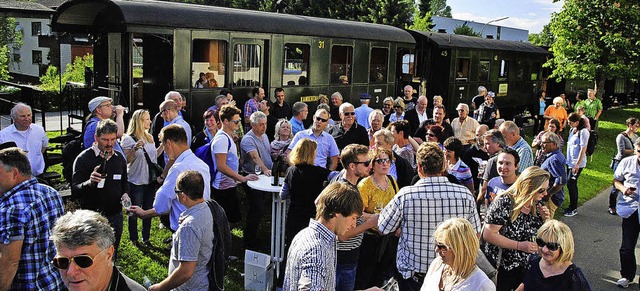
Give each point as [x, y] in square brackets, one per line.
[504, 70]
[36, 57]
[462, 73]
[378, 65]
[208, 63]
[341, 59]
[484, 70]
[36, 28]
[247, 65]
[16, 57]
[296, 64]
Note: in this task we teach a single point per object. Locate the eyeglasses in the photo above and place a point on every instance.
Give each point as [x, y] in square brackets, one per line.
[348, 113]
[366, 163]
[431, 135]
[82, 261]
[318, 118]
[552, 246]
[442, 248]
[235, 121]
[386, 105]
[178, 191]
[383, 161]
[546, 142]
[163, 111]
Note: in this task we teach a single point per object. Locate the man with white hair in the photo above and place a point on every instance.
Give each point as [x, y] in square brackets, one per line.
[336, 101]
[348, 131]
[327, 151]
[478, 100]
[417, 115]
[511, 134]
[102, 108]
[158, 122]
[464, 127]
[28, 136]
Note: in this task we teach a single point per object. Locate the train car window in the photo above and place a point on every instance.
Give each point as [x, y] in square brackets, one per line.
[341, 60]
[519, 70]
[483, 71]
[408, 64]
[462, 72]
[246, 65]
[378, 65]
[296, 65]
[208, 63]
[504, 70]
[535, 70]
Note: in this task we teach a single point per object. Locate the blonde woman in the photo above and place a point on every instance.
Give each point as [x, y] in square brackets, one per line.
[398, 111]
[454, 269]
[512, 220]
[551, 268]
[282, 138]
[135, 142]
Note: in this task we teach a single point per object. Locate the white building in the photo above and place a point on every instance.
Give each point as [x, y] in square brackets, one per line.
[447, 25]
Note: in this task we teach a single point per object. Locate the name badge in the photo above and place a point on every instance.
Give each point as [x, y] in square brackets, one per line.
[117, 176]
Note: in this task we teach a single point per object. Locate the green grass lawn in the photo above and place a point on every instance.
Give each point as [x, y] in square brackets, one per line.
[151, 262]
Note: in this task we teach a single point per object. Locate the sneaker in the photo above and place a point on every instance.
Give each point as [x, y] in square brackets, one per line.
[571, 213]
[623, 283]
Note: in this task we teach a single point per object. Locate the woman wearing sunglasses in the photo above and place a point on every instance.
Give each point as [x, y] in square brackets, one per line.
[512, 220]
[551, 268]
[377, 190]
[454, 267]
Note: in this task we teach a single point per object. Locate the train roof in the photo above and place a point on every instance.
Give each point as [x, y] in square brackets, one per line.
[445, 40]
[117, 15]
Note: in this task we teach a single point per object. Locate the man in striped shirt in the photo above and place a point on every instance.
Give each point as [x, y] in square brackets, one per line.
[311, 263]
[417, 210]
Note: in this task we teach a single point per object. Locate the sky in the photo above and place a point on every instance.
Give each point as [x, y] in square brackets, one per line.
[531, 15]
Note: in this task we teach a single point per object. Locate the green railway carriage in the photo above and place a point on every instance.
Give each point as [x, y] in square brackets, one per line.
[145, 48]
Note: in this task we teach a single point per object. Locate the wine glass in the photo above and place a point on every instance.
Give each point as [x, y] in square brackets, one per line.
[257, 170]
[126, 203]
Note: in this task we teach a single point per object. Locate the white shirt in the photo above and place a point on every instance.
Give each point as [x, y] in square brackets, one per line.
[422, 117]
[32, 141]
[476, 281]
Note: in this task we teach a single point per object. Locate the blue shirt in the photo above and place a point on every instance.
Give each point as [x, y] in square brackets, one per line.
[575, 143]
[311, 261]
[543, 105]
[628, 172]
[327, 146]
[296, 125]
[89, 135]
[27, 213]
[362, 115]
[525, 153]
[223, 144]
[166, 199]
[495, 186]
[554, 164]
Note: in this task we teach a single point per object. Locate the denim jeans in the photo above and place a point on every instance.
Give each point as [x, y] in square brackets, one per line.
[346, 276]
[142, 196]
[572, 186]
[630, 231]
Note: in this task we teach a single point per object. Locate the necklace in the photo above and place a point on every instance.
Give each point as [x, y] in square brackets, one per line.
[386, 179]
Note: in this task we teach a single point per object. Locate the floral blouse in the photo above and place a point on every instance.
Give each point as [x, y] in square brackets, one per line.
[524, 228]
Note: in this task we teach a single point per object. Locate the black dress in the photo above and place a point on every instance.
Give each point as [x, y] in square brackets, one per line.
[571, 279]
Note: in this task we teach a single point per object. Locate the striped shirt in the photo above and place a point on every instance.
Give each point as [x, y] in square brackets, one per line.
[27, 213]
[418, 210]
[311, 262]
[462, 172]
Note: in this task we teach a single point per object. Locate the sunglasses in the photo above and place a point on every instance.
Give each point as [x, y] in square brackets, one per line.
[348, 113]
[397, 107]
[318, 118]
[366, 163]
[386, 105]
[441, 248]
[431, 135]
[178, 191]
[235, 121]
[383, 161]
[82, 261]
[552, 246]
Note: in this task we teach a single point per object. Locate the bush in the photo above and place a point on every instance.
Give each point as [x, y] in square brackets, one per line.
[73, 73]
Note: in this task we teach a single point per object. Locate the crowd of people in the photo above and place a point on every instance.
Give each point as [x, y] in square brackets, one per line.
[376, 197]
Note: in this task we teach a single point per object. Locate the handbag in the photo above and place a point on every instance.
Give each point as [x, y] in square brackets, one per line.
[155, 171]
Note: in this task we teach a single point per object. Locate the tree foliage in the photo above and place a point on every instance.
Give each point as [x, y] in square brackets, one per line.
[73, 73]
[544, 38]
[466, 30]
[596, 40]
[9, 38]
[422, 23]
[440, 8]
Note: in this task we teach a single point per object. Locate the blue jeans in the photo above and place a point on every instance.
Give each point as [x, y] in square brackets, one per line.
[142, 196]
[346, 276]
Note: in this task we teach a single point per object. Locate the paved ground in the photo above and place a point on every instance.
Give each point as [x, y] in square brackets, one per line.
[54, 120]
[597, 236]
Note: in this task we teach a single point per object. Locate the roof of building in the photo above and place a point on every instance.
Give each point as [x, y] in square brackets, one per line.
[445, 40]
[23, 6]
[118, 15]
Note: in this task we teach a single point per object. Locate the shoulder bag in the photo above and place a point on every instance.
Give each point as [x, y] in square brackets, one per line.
[154, 170]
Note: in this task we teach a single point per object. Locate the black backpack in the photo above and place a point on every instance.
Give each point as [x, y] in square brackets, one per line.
[593, 141]
[70, 152]
[221, 251]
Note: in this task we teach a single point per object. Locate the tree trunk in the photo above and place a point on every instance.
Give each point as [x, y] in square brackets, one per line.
[599, 83]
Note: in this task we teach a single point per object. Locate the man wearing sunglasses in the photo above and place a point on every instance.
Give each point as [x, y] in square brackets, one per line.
[84, 242]
[554, 163]
[29, 210]
[349, 131]
[327, 151]
[102, 108]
